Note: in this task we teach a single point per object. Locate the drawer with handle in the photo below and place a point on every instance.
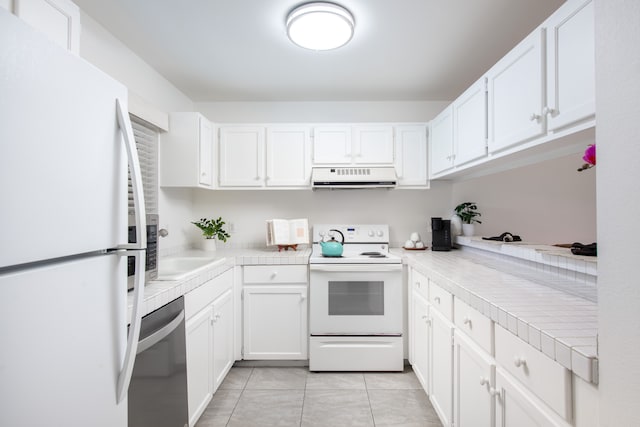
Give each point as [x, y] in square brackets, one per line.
[275, 274]
[441, 300]
[545, 377]
[473, 323]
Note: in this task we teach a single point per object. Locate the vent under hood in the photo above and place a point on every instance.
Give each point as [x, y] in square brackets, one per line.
[354, 177]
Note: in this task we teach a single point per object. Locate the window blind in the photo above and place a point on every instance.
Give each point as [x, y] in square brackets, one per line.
[146, 137]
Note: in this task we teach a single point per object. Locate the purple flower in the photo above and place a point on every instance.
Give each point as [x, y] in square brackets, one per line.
[589, 157]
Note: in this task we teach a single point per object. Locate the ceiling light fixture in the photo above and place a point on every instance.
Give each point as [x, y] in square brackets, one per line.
[320, 26]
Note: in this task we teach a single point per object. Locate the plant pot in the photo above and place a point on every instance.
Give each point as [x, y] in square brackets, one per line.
[208, 245]
[468, 229]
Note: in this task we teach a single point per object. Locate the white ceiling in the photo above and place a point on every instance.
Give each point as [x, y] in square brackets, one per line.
[238, 50]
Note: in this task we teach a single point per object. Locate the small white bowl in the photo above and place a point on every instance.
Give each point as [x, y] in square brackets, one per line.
[410, 244]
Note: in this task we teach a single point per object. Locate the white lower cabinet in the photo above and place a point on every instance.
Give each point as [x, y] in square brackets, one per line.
[223, 357]
[420, 339]
[517, 407]
[474, 378]
[441, 390]
[199, 341]
[209, 340]
[275, 312]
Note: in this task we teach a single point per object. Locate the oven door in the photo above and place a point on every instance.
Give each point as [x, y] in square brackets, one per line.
[355, 299]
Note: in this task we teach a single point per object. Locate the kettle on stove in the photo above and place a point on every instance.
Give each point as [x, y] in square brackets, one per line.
[332, 247]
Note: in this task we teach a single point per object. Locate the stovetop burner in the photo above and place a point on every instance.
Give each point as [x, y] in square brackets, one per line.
[374, 254]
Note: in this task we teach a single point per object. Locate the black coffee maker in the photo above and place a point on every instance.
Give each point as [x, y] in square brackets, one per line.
[440, 234]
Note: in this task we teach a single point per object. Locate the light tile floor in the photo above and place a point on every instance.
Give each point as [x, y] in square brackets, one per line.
[296, 397]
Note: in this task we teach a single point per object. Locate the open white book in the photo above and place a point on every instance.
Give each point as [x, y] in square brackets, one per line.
[287, 231]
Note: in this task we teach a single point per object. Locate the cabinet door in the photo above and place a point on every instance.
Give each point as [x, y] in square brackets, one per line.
[515, 406]
[332, 145]
[199, 342]
[58, 19]
[420, 339]
[515, 94]
[288, 157]
[474, 376]
[205, 156]
[275, 322]
[441, 142]
[441, 356]
[242, 157]
[570, 65]
[411, 156]
[373, 145]
[470, 124]
[222, 337]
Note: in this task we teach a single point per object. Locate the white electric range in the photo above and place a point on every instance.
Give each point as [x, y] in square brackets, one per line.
[355, 301]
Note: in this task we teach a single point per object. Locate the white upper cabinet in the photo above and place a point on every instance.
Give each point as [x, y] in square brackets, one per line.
[570, 65]
[332, 145]
[470, 124]
[58, 19]
[187, 153]
[515, 94]
[353, 145]
[441, 141]
[373, 144]
[242, 156]
[288, 156]
[411, 155]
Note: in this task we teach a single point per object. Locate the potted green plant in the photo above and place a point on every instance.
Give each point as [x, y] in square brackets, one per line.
[467, 212]
[212, 229]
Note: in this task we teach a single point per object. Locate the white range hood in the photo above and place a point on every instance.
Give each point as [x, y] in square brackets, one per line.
[354, 177]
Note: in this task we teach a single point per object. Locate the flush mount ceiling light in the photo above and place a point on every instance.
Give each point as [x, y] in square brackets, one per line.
[320, 26]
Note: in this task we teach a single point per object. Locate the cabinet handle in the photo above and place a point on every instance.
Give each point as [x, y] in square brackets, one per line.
[494, 392]
[437, 300]
[273, 275]
[428, 322]
[303, 298]
[484, 381]
[535, 117]
[204, 174]
[467, 321]
[519, 361]
[418, 284]
[424, 316]
[549, 111]
[257, 178]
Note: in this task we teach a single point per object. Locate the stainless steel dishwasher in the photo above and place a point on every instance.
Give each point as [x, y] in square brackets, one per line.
[158, 390]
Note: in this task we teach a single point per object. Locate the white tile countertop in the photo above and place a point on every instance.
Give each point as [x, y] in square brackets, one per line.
[160, 292]
[557, 315]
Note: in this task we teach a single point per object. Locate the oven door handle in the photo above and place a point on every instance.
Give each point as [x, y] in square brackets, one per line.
[357, 268]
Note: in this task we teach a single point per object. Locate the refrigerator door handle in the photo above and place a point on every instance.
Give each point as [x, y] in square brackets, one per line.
[124, 378]
[136, 179]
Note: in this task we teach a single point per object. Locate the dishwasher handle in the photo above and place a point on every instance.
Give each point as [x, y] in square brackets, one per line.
[160, 334]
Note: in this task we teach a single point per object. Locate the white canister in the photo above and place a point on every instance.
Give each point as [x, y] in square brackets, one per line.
[456, 225]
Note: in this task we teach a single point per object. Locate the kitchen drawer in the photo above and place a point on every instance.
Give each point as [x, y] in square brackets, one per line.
[203, 295]
[441, 300]
[474, 324]
[545, 377]
[275, 274]
[420, 284]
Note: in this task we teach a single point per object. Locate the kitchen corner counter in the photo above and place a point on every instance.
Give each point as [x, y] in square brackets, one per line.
[556, 315]
[160, 292]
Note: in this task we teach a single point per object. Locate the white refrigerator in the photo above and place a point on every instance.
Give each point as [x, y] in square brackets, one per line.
[65, 145]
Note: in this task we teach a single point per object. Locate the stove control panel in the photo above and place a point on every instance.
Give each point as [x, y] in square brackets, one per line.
[358, 233]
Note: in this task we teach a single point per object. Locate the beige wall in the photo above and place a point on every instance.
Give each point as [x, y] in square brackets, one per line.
[548, 202]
